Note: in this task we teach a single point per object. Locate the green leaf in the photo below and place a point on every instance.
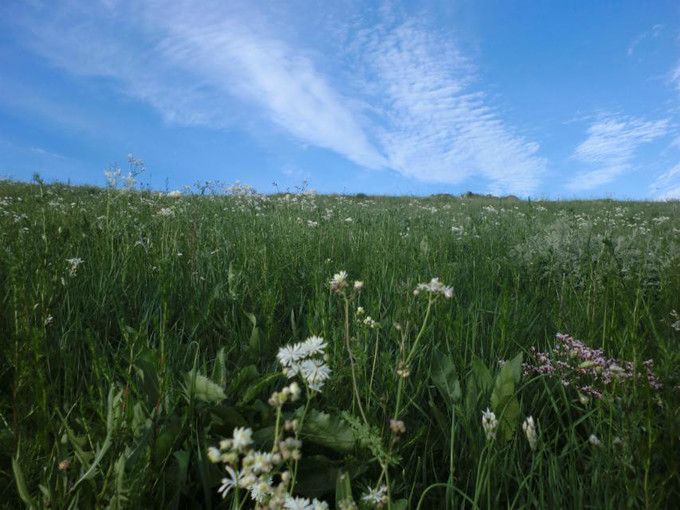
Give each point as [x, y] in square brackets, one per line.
[482, 375]
[243, 378]
[327, 430]
[21, 483]
[219, 372]
[257, 387]
[503, 400]
[203, 388]
[445, 377]
[479, 383]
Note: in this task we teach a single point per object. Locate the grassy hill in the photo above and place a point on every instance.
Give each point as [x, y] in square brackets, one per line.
[138, 330]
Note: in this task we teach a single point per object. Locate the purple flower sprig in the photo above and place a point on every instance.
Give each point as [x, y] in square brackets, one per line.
[585, 368]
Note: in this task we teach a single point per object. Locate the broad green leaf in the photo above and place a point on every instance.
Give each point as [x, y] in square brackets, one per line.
[203, 388]
[329, 431]
[503, 400]
[445, 377]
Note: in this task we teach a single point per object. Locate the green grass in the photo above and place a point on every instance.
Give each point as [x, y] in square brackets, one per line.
[94, 364]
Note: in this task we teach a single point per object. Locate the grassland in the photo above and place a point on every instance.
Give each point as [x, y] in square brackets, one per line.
[138, 330]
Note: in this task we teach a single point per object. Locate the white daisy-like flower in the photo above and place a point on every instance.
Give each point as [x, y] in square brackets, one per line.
[594, 440]
[290, 355]
[230, 482]
[242, 438]
[313, 346]
[315, 373]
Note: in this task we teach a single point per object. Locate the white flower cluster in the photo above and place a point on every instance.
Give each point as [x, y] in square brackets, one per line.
[166, 212]
[306, 358]
[289, 393]
[489, 424]
[254, 471]
[529, 428]
[367, 320]
[434, 287]
[73, 263]
[339, 282]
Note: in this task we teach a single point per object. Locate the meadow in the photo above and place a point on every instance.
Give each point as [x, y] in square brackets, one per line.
[233, 350]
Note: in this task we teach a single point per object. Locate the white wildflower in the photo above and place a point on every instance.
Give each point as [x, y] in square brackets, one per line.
[295, 390]
[358, 285]
[594, 440]
[290, 355]
[339, 282]
[297, 503]
[313, 345]
[214, 455]
[489, 424]
[376, 497]
[74, 263]
[315, 373]
[434, 287]
[230, 482]
[261, 490]
[529, 429]
[260, 462]
[242, 438]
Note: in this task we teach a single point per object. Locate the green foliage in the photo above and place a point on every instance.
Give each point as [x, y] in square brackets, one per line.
[118, 371]
[504, 400]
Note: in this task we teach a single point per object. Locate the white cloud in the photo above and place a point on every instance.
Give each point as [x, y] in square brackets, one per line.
[198, 61]
[667, 185]
[436, 126]
[610, 149]
[424, 116]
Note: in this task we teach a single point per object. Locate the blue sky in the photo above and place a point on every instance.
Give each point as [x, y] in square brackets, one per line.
[534, 98]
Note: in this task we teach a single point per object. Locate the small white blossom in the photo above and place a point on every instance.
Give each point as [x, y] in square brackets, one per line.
[315, 373]
[74, 263]
[489, 424]
[339, 282]
[529, 429]
[376, 497]
[214, 455]
[242, 438]
[594, 440]
[434, 287]
[313, 346]
[229, 483]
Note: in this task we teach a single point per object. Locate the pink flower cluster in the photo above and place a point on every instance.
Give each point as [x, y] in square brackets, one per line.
[588, 369]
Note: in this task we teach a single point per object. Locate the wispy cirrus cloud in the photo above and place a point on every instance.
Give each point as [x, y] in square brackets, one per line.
[196, 62]
[610, 147]
[424, 114]
[438, 124]
[667, 185]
